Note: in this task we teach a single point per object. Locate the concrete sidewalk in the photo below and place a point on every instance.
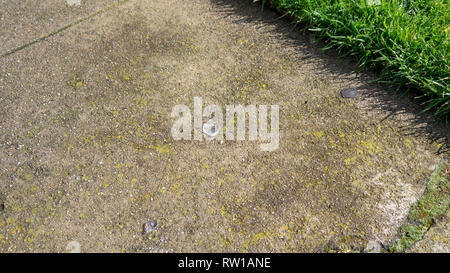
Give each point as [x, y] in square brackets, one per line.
[87, 154]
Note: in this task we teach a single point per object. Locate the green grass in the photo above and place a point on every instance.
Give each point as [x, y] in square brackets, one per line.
[405, 42]
[431, 206]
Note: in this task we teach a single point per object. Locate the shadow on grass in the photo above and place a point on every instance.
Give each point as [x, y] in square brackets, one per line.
[386, 99]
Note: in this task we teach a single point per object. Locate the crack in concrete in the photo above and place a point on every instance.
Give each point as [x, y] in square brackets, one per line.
[53, 33]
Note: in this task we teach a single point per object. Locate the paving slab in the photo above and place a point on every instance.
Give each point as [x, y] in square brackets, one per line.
[88, 158]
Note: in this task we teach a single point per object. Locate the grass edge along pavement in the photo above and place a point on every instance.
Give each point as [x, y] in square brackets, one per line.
[405, 41]
[432, 206]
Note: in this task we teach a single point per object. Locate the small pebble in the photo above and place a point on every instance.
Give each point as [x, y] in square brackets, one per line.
[73, 2]
[149, 226]
[373, 247]
[73, 247]
[349, 93]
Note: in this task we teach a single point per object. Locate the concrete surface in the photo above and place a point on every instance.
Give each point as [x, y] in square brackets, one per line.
[87, 157]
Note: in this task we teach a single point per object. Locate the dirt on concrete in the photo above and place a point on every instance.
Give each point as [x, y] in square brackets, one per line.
[87, 155]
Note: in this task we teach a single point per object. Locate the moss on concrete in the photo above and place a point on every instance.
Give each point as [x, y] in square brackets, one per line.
[431, 207]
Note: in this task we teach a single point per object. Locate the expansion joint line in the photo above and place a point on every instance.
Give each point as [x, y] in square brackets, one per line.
[14, 50]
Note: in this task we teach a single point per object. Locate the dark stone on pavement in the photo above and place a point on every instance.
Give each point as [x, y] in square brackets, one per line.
[349, 93]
